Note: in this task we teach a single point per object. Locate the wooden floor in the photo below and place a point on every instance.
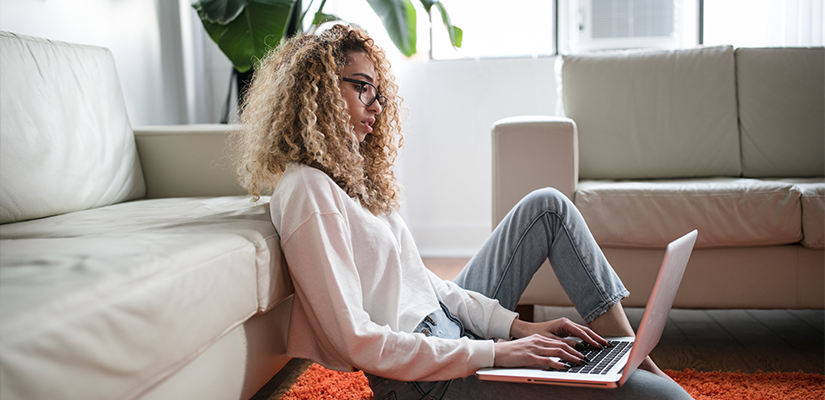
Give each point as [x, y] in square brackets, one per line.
[705, 340]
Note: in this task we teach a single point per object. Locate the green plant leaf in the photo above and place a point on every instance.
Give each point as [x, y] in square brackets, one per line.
[398, 17]
[260, 26]
[322, 18]
[428, 4]
[456, 34]
[219, 11]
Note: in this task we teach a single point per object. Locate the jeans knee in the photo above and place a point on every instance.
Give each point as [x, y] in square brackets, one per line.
[547, 198]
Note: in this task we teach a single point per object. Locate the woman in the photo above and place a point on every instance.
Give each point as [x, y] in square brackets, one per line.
[321, 127]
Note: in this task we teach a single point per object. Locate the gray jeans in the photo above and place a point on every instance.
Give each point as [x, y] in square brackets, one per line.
[543, 225]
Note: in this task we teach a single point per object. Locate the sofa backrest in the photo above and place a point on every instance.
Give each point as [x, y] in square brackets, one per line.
[65, 139]
[661, 114]
[781, 93]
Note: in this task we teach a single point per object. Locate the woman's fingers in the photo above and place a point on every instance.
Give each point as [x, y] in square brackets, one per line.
[537, 351]
[545, 348]
[592, 338]
[565, 327]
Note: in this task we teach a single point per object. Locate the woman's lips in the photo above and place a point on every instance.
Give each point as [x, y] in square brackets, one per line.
[368, 124]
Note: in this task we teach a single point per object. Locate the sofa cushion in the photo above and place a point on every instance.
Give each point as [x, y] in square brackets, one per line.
[813, 210]
[781, 95]
[813, 214]
[728, 212]
[65, 139]
[125, 295]
[647, 115]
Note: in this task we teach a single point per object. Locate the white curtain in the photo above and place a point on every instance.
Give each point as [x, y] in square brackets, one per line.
[796, 23]
[196, 73]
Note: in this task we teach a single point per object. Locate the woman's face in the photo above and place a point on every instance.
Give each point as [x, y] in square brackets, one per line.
[362, 117]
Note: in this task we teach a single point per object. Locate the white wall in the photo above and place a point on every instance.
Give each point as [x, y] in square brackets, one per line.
[446, 165]
[145, 39]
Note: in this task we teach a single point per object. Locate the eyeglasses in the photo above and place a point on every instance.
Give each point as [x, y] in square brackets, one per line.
[367, 92]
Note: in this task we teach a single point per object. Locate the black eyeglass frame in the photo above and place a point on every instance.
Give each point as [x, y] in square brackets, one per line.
[382, 100]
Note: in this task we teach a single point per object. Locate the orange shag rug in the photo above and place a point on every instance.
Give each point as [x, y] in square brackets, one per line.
[318, 382]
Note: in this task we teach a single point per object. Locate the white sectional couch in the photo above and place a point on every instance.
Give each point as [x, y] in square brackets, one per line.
[131, 264]
[656, 143]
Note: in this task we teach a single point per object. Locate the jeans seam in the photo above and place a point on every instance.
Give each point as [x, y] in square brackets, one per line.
[513, 254]
[451, 317]
[508, 265]
[588, 268]
[427, 395]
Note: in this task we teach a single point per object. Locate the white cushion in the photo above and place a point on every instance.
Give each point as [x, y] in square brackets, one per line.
[647, 115]
[813, 210]
[813, 214]
[122, 296]
[65, 139]
[782, 111]
[728, 212]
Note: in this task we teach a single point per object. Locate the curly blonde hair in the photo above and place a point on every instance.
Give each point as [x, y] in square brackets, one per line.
[294, 112]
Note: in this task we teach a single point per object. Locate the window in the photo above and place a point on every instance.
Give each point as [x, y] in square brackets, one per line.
[513, 28]
[591, 25]
[763, 23]
[531, 28]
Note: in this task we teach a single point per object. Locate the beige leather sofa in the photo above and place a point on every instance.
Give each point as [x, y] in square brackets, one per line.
[655, 144]
[131, 265]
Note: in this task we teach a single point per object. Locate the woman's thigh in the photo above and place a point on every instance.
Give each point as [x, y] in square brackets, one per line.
[544, 225]
[642, 385]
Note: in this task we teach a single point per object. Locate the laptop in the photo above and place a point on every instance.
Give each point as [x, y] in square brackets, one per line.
[612, 366]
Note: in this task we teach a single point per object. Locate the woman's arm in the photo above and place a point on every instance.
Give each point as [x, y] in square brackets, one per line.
[329, 295]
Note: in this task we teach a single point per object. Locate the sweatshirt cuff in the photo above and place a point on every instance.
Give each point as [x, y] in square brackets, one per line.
[483, 355]
[500, 323]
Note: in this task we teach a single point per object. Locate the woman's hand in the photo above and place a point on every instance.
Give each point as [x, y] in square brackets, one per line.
[536, 343]
[557, 329]
[536, 351]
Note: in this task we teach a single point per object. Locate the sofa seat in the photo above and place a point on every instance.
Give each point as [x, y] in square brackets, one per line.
[123, 296]
[813, 211]
[730, 212]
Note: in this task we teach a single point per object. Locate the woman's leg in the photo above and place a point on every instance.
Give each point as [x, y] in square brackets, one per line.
[614, 323]
[642, 385]
[544, 225]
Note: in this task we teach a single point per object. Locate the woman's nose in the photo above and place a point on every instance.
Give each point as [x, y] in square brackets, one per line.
[375, 107]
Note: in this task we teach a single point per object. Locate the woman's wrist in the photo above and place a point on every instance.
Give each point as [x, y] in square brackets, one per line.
[519, 328]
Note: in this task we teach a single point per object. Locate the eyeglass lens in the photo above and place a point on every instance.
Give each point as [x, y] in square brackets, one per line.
[368, 94]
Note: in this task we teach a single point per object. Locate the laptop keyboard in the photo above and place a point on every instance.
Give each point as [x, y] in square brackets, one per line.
[601, 360]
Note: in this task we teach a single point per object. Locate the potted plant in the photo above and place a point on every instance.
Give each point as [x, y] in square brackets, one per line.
[245, 30]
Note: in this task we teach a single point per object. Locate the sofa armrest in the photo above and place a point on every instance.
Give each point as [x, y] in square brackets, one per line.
[186, 161]
[529, 153]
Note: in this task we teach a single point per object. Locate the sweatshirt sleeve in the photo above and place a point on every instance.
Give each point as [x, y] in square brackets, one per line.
[328, 294]
[480, 314]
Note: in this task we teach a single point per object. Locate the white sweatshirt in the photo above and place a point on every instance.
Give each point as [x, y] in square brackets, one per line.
[361, 289]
